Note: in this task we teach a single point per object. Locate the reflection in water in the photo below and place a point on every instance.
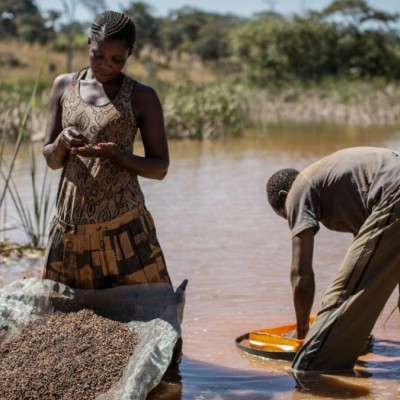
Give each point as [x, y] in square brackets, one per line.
[211, 381]
[170, 388]
[329, 386]
[218, 232]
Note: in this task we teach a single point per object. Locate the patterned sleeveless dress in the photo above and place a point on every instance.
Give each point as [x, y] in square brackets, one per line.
[102, 235]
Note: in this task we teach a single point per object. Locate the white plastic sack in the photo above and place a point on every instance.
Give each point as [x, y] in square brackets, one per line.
[154, 309]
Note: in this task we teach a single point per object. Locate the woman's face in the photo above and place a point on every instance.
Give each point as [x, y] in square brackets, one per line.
[107, 58]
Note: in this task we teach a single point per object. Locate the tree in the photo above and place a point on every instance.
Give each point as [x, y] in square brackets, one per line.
[147, 25]
[32, 28]
[313, 47]
[357, 12]
[197, 32]
[368, 46]
[22, 19]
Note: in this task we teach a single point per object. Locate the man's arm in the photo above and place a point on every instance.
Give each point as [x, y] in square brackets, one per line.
[302, 279]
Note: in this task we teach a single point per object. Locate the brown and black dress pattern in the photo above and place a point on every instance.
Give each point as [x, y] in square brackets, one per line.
[102, 235]
[95, 190]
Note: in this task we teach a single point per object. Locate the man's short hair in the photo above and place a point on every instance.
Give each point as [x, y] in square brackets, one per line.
[280, 180]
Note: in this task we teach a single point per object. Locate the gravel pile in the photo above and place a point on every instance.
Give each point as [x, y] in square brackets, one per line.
[65, 356]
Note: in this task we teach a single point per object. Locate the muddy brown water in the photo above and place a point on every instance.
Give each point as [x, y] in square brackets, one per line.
[217, 230]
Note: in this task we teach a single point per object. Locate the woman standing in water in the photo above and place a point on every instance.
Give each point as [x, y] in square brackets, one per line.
[102, 235]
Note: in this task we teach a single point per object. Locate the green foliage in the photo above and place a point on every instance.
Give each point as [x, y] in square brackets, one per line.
[79, 41]
[21, 19]
[32, 28]
[147, 26]
[196, 32]
[33, 222]
[311, 48]
[205, 112]
[14, 100]
[357, 12]
[348, 39]
[70, 25]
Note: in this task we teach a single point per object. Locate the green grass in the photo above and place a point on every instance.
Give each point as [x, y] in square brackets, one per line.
[33, 218]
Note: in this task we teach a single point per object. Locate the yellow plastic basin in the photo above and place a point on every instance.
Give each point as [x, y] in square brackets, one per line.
[276, 338]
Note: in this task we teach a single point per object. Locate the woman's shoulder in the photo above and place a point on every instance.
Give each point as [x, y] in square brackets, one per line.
[61, 82]
[140, 88]
[64, 79]
[144, 92]
[144, 97]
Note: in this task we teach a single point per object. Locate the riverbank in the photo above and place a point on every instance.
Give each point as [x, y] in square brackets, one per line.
[199, 101]
[356, 103]
[224, 109]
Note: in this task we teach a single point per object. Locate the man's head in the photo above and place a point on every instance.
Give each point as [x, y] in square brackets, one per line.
[278, 187]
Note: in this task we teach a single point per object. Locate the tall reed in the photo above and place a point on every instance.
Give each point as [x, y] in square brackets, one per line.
[33, 217]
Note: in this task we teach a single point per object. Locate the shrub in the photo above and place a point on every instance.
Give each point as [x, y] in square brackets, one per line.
[205, 112]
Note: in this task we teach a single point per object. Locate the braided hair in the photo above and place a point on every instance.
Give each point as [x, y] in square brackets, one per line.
[113, 25]
[280, 180]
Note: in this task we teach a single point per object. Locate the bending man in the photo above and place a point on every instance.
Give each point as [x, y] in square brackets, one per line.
[353, 190]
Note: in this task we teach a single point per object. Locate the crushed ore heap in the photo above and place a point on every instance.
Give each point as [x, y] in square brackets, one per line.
[65, 356]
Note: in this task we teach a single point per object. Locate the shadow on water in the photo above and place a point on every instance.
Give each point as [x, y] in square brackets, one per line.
[383, 362]
[329, 386]
[198, 380]
[355, 384]
[194, 379]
